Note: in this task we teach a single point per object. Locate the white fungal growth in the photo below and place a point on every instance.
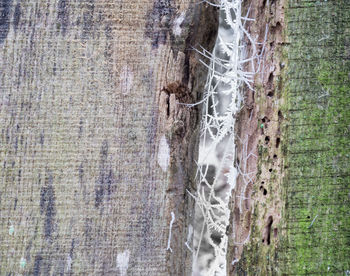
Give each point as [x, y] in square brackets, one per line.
[232, 176]
[177, 24]
[228, 70]
[123, 262]
[170, 227]
[163, 154]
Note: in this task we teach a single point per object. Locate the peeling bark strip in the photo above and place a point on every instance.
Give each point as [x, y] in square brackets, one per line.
[82, 190]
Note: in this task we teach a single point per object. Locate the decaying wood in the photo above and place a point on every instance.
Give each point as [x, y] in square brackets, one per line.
[257, 128]
[294, 212]
[95, 150]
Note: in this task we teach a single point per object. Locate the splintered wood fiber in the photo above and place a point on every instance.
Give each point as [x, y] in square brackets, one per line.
[81, 192]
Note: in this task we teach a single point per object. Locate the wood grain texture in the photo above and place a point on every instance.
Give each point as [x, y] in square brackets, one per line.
[299, 223]
[317, 130]
[81, 118]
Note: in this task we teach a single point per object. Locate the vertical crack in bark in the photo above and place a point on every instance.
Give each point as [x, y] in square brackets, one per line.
[217, 171]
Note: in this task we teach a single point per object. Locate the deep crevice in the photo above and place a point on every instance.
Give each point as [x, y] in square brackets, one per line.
[267, 230]
[264, 191]
[278, 141]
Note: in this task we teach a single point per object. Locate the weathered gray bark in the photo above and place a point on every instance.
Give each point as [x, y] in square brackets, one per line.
[88, 91]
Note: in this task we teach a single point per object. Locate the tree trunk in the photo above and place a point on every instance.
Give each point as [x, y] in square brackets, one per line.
[96, 153]
[295, 218]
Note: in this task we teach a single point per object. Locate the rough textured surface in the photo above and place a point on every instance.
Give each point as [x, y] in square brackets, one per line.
[317, 153]
[81, 189]
[256, 207]
[299, 202]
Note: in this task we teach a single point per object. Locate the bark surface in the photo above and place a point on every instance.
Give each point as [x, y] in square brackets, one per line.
[295, 220]
[95, 152]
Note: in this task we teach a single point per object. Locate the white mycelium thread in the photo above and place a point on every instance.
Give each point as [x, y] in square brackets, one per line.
[189, 237]
[216, 172]
[170, 227]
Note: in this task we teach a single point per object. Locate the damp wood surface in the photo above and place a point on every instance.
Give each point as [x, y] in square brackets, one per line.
[94, 154]
[296, 216]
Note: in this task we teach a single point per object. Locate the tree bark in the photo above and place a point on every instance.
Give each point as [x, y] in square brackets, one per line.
[96, 153]
[297, 121]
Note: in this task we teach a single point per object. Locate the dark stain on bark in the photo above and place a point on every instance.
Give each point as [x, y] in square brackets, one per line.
[88, 20]
[108, 32]
[17, 15]
[42, 264]
[19, 175]
[47, 207]
[5, 9]
[81, 127]
[15, 144]
[159, 21]
[145, 223]
[87, 232]
[108, 52]
[62, 16]
[42, 138]
[105, 182]
[37, 264]
[81, 180]
[72, 249]
[81, 173]
[200, 31]
[33, 30]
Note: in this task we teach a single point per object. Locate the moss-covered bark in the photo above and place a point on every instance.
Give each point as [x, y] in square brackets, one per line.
[312, 180]
[318, 137]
